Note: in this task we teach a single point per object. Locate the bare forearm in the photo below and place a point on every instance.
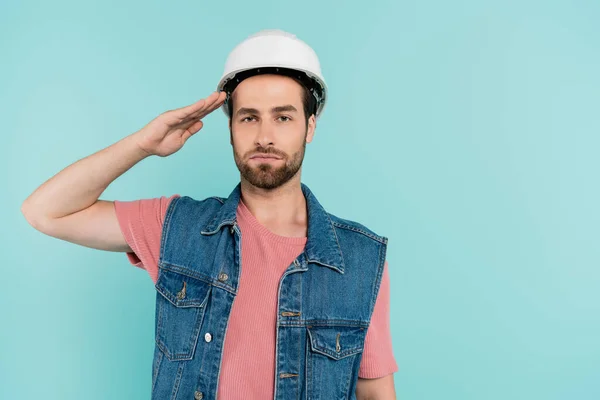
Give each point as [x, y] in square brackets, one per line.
[79, 185]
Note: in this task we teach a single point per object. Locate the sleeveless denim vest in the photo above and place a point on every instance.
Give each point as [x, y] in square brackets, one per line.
[325, 301]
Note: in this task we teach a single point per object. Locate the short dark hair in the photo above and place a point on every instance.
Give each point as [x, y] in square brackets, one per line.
[309, 102]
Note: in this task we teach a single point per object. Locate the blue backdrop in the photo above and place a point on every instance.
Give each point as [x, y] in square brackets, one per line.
[472, 125]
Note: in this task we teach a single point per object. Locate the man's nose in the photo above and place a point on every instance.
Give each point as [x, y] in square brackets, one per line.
[265, 134]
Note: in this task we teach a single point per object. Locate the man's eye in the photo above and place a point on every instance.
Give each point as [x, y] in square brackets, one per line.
[247, 118]
[285, 118]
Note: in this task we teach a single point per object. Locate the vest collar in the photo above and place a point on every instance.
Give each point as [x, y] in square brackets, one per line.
[322, 244]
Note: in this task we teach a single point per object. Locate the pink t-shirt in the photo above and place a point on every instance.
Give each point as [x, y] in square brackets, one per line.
[251, 334]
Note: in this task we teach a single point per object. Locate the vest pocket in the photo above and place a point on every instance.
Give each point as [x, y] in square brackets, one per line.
[180, 307]
[333, 358]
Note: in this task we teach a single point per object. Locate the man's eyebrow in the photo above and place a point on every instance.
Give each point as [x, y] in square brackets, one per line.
[245, 110]
[287, 107]
[274, 110]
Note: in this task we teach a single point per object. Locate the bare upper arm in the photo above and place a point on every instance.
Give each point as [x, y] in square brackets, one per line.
[376, 389]
[96, 227]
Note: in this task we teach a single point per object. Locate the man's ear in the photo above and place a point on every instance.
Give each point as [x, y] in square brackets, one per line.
[310, 129]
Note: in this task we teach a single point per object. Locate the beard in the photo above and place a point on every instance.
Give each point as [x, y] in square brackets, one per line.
[268, 176]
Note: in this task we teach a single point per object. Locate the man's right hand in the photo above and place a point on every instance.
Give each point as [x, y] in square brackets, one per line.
[168, 132]
[67, 206]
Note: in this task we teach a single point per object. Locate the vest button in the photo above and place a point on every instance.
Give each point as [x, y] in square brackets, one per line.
[198, 395]
[223, 277]
[207, 337]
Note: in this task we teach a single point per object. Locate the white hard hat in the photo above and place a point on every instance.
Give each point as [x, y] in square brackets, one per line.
[274, 51]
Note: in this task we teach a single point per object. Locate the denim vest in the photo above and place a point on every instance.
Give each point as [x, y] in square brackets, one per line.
[325, 301]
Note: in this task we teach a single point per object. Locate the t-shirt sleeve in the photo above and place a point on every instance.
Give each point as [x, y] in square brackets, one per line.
[378, 358]
[141, 223]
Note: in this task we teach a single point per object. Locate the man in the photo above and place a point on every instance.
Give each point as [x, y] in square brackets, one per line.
[262, 294]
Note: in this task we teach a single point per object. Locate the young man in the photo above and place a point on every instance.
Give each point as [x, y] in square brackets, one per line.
[262, 294]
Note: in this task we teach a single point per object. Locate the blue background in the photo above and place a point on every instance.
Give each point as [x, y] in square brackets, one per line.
[467, 132]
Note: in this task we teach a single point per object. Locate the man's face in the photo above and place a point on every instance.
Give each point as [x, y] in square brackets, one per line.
[269, 130]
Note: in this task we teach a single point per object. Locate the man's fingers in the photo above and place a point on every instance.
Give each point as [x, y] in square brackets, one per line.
[201, 108]
[196, 117]
[198, 106]
[211, 103]
[184, 112]
[210, 107]
[195, 123]
[191, 130]
[195, 127]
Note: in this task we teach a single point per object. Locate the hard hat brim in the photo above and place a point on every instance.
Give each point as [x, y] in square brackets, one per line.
[318, 80]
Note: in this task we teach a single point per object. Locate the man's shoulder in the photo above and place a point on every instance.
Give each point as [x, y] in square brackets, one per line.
[198, 210]
[211, 200]
[356, 227]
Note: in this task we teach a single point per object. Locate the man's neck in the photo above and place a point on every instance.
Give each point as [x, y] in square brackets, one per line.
[281, 210]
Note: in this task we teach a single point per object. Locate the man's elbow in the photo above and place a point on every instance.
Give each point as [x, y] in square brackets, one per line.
[376, 389]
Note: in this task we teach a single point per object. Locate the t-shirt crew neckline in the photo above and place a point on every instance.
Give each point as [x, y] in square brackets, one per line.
[263, 231]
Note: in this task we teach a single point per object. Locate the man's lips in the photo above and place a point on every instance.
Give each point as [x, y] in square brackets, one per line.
[262, 157]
